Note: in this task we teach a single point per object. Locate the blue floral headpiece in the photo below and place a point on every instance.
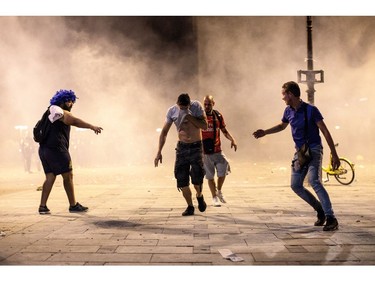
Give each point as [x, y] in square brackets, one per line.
[63, 96]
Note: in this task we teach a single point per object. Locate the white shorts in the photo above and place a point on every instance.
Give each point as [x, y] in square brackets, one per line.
[215, 162]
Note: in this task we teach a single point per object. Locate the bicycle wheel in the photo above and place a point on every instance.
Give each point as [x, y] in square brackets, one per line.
[346, 175]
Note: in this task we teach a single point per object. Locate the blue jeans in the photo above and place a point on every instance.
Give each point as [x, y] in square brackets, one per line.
[313, 171]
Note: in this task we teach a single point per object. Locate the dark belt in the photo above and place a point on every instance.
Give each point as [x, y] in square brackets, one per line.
[189, 144]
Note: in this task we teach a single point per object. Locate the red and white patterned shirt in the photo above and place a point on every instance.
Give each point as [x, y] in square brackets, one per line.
[209, 133]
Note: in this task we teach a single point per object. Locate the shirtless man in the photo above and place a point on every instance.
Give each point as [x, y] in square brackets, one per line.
[189, 118]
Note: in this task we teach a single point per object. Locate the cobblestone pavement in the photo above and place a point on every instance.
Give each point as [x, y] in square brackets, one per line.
[135, 219]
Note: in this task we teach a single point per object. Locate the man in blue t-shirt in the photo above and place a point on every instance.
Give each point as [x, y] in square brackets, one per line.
[294, 115]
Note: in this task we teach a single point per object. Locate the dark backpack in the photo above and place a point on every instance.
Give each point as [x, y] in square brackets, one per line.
[42, 128]
[218, 116]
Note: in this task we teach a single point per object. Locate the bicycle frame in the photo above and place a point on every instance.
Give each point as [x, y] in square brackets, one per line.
[341, 171]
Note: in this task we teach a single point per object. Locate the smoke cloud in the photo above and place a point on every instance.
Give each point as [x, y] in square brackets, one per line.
[245, 60]
[126, 72]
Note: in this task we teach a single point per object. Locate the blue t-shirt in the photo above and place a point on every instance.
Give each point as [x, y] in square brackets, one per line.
[296, 119]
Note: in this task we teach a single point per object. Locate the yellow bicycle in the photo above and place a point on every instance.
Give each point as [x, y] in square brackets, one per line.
[344, 174]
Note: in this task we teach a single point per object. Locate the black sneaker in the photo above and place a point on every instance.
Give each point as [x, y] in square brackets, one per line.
[77, 208]
[201, 204]
[331, 224]
[189, 211]
[43, 210]
[321, 218]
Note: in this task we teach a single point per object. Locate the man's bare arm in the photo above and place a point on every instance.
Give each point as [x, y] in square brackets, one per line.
[162, 140]
[199, 122]
[69, 119]
[278, 128]
[327, 135]
[229, 137]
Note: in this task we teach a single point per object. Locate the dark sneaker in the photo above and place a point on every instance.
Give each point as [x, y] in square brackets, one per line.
[43, 210]
[321, 218]
[189, 211]
[201, 204]
[77, 208]
[331, 224]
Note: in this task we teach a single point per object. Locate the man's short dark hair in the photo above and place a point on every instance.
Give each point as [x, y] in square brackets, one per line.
[292, 87]
[183, 99]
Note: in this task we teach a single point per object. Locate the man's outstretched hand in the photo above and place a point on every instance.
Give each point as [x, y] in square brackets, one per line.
[259, 133]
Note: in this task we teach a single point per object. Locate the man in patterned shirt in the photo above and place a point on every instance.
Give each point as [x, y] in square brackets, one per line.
[214, 158]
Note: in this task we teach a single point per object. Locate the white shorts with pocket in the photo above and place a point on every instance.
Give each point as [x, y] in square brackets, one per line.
[216, 162]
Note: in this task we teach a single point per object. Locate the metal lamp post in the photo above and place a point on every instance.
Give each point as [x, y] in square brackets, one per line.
[311, 76]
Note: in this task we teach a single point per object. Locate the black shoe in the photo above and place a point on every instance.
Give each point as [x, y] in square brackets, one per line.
[77, 208]
[43, 210]
[321, 218]
[201, 204]
[189, 211]
[331, 224]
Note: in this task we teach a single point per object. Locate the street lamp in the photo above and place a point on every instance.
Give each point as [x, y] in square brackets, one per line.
[311, 76]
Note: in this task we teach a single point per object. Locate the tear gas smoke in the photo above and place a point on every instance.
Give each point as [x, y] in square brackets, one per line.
[126, 72]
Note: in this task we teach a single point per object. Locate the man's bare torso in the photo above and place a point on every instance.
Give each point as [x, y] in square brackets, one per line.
[189, 133]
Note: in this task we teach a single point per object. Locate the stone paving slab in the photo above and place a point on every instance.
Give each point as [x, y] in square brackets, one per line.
[133, 222]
